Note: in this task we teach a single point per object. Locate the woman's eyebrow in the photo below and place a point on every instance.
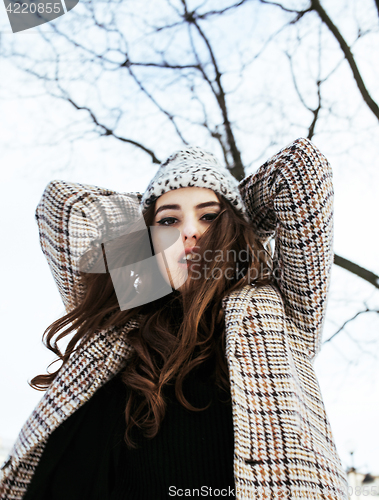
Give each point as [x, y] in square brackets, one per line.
[208, 204]
[198, 207]
[167, 207]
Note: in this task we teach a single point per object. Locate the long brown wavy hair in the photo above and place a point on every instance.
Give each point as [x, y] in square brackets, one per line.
[177, 332]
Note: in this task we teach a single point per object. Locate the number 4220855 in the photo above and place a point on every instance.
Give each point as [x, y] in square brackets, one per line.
[34, 8]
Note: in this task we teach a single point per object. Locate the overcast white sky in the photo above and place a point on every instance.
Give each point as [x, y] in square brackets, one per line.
[347, 368]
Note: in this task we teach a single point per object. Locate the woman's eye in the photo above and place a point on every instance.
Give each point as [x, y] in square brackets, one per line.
[209, 217]
[167, 221]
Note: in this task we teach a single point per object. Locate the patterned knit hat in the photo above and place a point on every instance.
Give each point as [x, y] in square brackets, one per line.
[192, 167]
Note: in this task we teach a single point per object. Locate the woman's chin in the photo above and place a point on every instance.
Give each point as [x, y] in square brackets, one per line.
[180, 283]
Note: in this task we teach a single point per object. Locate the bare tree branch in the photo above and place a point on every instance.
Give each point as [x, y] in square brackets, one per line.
[286, 9]
[107, 131]
[363, 273]
[206, 15]
[155, 102]
[300, 13]
[222, 11]
[367, 310]
[317, 7]
[315, 111]
[237, 169]
[127, 63]
[319, 82]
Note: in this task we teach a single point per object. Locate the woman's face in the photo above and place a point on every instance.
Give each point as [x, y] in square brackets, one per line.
[190, 210]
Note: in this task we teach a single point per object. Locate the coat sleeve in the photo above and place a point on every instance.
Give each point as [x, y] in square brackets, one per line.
[73, 220]
[290, 198]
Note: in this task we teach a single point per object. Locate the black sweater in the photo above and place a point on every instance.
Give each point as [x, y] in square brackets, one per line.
[86, 458]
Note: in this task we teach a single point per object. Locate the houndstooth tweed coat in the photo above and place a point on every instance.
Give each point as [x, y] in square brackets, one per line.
[283, 445]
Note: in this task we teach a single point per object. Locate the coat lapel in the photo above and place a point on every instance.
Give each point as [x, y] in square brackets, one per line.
[266, 415]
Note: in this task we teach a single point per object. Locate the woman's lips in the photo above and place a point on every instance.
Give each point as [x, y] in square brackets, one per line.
[191, 250]
[183, 262]
[184, 265]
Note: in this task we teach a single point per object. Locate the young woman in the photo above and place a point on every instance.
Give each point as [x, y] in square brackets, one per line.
[196, 380]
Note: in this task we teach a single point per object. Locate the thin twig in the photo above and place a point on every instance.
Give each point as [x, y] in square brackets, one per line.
[317, 7]
[367, 310]
[108, 131]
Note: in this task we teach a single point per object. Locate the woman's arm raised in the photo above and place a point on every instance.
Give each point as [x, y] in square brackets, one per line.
[73, 220]
[290, 198]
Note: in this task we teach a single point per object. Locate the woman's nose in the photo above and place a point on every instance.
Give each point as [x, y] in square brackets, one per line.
[191, 229]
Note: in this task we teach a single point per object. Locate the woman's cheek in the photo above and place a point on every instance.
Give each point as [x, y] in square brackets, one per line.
[176, 270]
[167, 242]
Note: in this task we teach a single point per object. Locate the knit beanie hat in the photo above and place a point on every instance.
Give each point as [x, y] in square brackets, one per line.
[193, 167]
